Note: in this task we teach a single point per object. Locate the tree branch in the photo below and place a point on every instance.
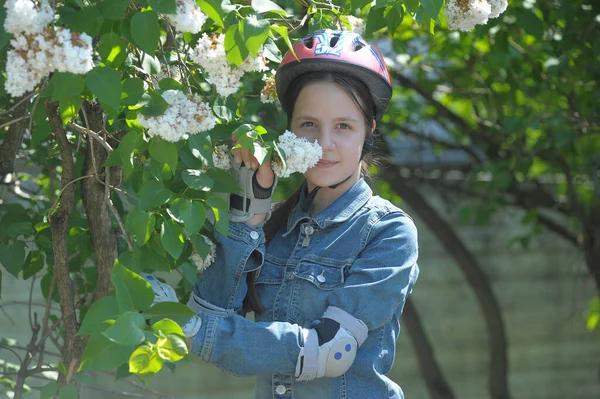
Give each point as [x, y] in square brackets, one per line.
[12, 140]
[59, 224]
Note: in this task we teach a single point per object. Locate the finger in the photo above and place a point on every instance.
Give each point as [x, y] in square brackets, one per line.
[237, 155]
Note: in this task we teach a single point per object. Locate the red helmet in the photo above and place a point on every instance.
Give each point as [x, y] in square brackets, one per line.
[338, 51]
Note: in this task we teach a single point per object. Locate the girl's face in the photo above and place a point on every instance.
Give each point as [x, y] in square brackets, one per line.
[325, 112]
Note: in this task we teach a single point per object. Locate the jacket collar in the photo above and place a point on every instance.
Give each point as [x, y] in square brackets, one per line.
[339, 211]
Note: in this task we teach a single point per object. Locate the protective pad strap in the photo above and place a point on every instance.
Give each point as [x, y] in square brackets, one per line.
[308, 360]
[356, 327]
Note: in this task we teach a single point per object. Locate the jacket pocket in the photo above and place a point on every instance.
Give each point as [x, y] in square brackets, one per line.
[325, 274]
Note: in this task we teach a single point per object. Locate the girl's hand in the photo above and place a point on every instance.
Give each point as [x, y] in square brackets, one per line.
[264, 175]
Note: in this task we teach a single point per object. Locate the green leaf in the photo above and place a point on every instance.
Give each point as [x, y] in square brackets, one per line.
[132, 141]
[170, 84]
[191, 213]
[49, 390]
[221, 212]
[105, 83]
[164, 6]
[393, 17]
[164, 152]
[66, 85]
[151, 64]
[528, 21]
[12, 257]
[67, 392]
[175, 311]
[132, 291]
[140, 225]
[375, 21]
[166, 327]
[153, 260]
[255, 32]
[153, 195]
[145, 30]
[234, 46]
[263, 6]
[213, 9]
[42, 130]
[224, 182]
[197, 179]
[95, 319]
[171, 348]
[114, 9]
[201, 147]
[33, 264]
[103, 354]
[283, 32]
[171, 236]
[433, 7]
[133, 88]
[69, 108]
[127, 330]
[145, 361]
[154, 104]
[88, 20]
[112, 49]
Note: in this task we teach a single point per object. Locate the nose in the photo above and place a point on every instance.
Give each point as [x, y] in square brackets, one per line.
[326, 139]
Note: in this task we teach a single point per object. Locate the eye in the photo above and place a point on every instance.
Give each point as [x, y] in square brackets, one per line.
[307, 124]
[344, 126]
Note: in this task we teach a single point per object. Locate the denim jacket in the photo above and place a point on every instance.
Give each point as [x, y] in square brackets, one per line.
[359, 254]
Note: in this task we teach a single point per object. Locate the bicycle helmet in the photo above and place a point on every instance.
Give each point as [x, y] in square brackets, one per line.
[338, 51]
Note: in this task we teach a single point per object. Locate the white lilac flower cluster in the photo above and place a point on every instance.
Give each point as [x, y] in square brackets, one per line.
[202, 264]
[23, 16]
[188, 17]
[269, 93]
[186, 114]
[222, 157]
[38, 50]
[300, 154]
[357, 25]
[465, 14]
[211, 56]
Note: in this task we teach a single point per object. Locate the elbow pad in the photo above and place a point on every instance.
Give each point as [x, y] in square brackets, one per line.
[330, 346]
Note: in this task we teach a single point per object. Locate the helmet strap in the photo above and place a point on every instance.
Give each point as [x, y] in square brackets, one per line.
[367, 146]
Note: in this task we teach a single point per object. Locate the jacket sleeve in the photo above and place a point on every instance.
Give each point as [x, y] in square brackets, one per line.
[383, 275]
[245, 348]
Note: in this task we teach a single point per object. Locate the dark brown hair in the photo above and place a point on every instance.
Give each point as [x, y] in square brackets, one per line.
[361, 96]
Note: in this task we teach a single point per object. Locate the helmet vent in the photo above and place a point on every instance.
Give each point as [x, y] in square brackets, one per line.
[309, 41]
[357, 46]
[334, 41]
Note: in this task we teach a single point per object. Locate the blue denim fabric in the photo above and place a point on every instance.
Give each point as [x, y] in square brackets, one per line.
[362, 258]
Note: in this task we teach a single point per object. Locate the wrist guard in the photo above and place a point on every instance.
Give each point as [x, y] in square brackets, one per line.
[252, 199]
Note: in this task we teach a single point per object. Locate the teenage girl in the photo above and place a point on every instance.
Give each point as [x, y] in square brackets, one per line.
[328, 273]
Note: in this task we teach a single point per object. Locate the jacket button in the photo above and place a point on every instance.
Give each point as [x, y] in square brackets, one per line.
[280, 390]
[254, 235]
[289, 276]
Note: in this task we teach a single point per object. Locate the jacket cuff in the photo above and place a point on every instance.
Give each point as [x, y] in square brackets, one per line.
[202, 343]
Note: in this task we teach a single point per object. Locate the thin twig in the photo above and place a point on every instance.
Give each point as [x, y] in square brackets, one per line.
[21, 101]
[90, 132]
[13, 121]
[65, 186]
[10, 349]
[30, 301]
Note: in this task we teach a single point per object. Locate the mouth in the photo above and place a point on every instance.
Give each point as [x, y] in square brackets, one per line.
[325, 164]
